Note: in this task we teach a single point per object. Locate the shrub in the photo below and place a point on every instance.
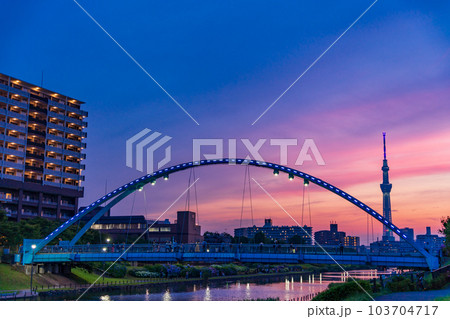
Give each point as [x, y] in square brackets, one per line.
[145, 274]
[341, 291]
[192, 272]
[229, 270]
[400, 283]
[117, 271]
[439, 282]
[205, 272]
[160, 269]
[172, 271]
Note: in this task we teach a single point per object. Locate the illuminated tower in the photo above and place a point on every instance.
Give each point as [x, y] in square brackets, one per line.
[386, 188]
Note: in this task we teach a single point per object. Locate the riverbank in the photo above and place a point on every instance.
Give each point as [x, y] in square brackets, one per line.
[428, 295]
[11, 279]
[74, 292]
[414, 286]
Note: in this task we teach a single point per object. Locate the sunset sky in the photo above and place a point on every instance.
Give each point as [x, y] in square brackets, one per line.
[225, 62]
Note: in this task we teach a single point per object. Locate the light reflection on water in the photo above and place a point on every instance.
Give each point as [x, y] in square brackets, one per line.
[287, 288]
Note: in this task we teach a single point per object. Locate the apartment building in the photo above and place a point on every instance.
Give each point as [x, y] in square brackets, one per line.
[41, 151]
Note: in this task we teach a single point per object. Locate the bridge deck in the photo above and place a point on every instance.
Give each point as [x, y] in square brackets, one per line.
[224, 254]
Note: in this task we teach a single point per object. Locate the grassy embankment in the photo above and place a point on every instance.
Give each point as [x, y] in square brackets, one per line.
[13, 279]
[351, 291]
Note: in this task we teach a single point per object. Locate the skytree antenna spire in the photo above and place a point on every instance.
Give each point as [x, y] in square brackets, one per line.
[386, 188]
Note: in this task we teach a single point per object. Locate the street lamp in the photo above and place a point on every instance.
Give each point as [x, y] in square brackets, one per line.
[104, 249]
[33, 247]
[108, 240]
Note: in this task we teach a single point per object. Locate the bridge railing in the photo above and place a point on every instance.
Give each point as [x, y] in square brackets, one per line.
[207, 248]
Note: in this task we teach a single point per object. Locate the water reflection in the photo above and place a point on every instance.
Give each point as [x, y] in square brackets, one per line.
[282, 287]
[167, 296]
[247, 291]
[207, 294]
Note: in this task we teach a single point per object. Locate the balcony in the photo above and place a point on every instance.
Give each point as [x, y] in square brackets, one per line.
[66, 204]
[55, 138]
[73, 176]
[36, 144]
[31, 131]
[35, 156]
[18, 103]
[32, 180]
[57, 115]
[34, 168]
[29, 213]
[13, 177]
[39, 98]
[19, 91]
[16, 127]
[48, 202]
[37, 121]
[16, 140]
[10, 151]
[38, 109]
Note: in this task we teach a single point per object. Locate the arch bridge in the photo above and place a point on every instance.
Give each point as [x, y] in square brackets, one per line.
[33, 247]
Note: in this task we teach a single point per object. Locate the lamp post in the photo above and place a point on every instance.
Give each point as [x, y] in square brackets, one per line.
[33, 247]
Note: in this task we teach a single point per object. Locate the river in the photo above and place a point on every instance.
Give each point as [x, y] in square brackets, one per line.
[288, 287]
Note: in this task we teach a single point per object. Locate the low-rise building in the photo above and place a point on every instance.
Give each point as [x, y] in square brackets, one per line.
[351, 241]
[120, 228]
[276, 232]
[330, 237]
[431, 243]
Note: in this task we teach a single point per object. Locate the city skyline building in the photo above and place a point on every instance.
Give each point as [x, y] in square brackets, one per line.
[183, 230]
[276, 232]
[386, 188]
[41, 143]
[431, 243]
[330, 237]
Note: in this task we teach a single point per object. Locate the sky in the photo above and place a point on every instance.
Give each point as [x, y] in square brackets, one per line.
[225, 63]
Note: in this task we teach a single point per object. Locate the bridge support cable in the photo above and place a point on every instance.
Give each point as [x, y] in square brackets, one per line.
[247, 183]
[146, 210]
[250, 193]
[132, 186]
[187, 205]
[243, 197]
[367, 229]
[373, 239]
[131, 216]
[303, 203]
[309, 206]
[196, 199]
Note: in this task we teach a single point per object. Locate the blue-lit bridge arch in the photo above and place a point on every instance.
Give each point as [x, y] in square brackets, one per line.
[121, 192]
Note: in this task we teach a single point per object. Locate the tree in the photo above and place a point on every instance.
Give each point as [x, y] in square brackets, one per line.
[446, 232]
[297, 240]
[260, 237]
[12, 233]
